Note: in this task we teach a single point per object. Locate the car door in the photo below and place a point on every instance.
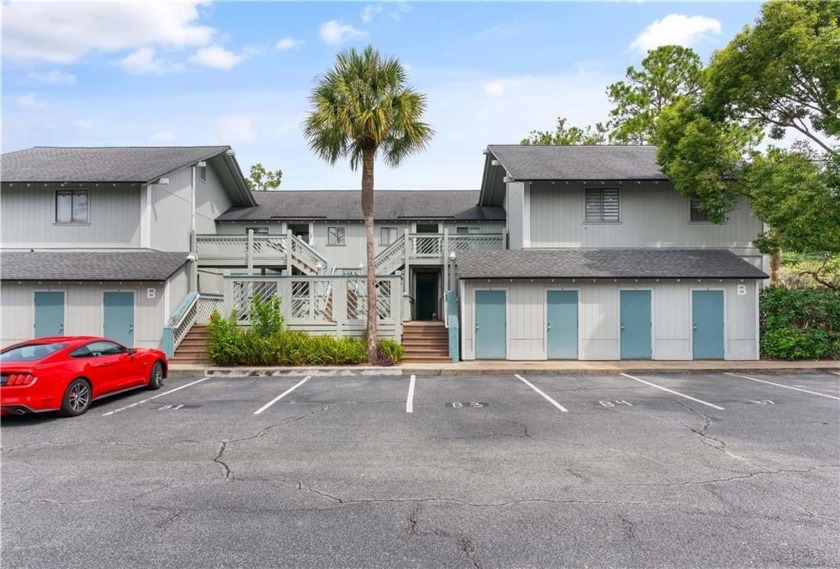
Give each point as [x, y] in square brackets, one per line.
[110, 366]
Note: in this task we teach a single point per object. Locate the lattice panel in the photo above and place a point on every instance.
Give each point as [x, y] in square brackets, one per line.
[357, 300]
[427, 246]
[244, 291]
[475, 242]
[267, 247]
[206, 305]
[312, 301]
[383, 300]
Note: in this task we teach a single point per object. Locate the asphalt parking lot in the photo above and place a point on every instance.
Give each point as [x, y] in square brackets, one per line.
[714, 470]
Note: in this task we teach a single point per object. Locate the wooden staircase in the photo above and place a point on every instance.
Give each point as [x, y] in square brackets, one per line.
[425, 341]
[193, 348]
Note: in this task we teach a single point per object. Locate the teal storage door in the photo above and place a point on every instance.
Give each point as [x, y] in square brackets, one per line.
[490, 325]
[562, 324]
[707, 318]
[119, 317]
[635, 325]
[49, 314]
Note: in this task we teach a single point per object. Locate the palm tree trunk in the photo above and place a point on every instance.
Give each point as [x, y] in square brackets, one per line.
[367, 212]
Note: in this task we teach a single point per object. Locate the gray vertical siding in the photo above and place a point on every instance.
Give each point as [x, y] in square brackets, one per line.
[598, 314]
[28, 217]
[83, 313]
[515, 208]
[651, 214]
[172, 212]
[211, 201]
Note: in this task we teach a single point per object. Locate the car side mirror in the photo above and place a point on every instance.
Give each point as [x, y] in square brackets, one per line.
[131, 351]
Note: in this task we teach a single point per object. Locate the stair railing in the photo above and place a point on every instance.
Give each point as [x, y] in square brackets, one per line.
[179, 324]
[391, 258]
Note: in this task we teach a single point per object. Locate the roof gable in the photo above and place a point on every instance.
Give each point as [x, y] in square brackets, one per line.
[524, 163]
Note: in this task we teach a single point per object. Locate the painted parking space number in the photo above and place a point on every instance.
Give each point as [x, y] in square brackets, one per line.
[614, 403]
[466, 404]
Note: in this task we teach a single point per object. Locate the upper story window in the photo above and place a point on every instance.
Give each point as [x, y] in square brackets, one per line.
[601, 205]
[72, 206]
[696, 215]
[257, 230]
[335, 236]
[467, 230]
[387, 235]
[202, 171]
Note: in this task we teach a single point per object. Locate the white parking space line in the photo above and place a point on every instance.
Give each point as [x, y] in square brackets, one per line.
[155, 397]
[409, 403]
[713, 406]
[535, 388]
[835, 372]
[282, 395]
[785, 386]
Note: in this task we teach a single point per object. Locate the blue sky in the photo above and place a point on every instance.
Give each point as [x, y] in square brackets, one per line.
[239, 73]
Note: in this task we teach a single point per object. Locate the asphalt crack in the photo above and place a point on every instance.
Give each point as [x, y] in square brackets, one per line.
[218, 460]
[629, 527]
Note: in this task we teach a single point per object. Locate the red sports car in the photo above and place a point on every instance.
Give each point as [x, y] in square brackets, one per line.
[66, 373]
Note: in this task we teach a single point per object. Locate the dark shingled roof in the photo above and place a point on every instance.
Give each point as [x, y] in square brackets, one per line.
[116, 164]
[605, 263]
[89, 266]
[345, 205]
[524, 162]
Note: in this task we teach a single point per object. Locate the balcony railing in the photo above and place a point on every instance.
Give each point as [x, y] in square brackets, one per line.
[288, 251]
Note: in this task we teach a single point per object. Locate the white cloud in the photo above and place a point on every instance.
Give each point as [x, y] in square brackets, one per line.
[236, 129]
[30, 102]
[676, 29]
[369, 11]
[289, 42]
[63, 32]
[501, 87]
[217, 57]
[143, 61]
[54, 77]
[334, 32]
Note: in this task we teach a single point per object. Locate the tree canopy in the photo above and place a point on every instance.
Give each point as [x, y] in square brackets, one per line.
[262, 179]
[564, 135]
[362, 108]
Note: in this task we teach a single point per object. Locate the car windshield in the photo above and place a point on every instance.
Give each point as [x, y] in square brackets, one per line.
[29, 352]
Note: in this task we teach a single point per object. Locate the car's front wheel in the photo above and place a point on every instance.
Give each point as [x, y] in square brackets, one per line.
[155, 377]
[76, 398]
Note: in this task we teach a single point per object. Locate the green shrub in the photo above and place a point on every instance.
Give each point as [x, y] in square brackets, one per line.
[223, 343]
[266, 317]
[390, 352]
[801, 324]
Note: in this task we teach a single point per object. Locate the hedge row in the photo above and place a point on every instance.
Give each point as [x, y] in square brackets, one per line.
[266, 343]
[800, 324]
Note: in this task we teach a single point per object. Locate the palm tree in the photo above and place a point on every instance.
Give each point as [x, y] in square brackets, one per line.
[362, 107]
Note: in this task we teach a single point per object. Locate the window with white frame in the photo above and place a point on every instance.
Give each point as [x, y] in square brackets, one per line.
[202, 171]
[695, 214]
[387, 235]
[467, 230]
[601, 205]
[257, 230]
[335, 236]
[72, 206]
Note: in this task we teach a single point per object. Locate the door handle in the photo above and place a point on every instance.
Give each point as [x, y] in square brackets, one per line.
[476, 325]
[694, 326]
[549, 326]
[622, 325]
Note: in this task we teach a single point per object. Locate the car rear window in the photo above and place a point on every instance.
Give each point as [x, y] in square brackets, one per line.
[29, 352]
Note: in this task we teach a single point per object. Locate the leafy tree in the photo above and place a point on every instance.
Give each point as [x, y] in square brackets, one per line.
[262, 179]
[784, 72]
[564, 135]
[668, 73]
[361, 107]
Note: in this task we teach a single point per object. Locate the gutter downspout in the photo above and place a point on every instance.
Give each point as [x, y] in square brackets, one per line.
[193, 258]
